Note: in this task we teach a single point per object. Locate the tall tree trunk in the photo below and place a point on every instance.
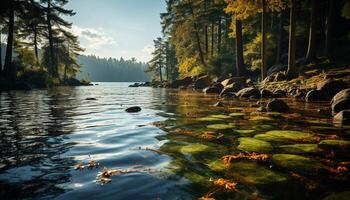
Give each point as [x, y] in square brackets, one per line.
[36, 43]
[206, 41]
[291, 72]
[52, 68]
[8, 58]
[219, 35]
[263, 42]
[279, 39]
[0, 53]
[239, 48]
[160, 74]
[311, 51]
[212, 39]
[329, 28]
[200, 51]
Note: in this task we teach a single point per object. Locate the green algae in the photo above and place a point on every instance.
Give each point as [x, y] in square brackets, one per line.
[220, 116]
[209, 119]
[335, 144]
[217, 166]
[252, 173]
[220, 126]
[301, 164]
[237, 115]
[194, 148]
[285, 136]
[244, 131]
[254, 145]
[300, 148]
[260, 118]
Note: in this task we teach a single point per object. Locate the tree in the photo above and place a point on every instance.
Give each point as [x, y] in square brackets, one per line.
[158, 58]
[311, 51]
[291, 71]
[10, 36]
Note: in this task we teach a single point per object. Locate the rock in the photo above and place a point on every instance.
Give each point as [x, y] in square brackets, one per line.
[277, 105]
[266, 93]
[249, 82]
[135, 85]
[280, 76]
[202, 82]
[316, 95]
[220, 126]
[269, 79]
[194, 148]
[279, 93]
[301, 164]
[249, 93]
[276, 68]
[252, 173]
[300, 148]
[338, 145]
[341, 101]
[285, 136]
[133, 109]
[218, 104]
[332, 87]
[228, 95]
[238, 80]
[181, 82]
[338, 196]
[251, 145]
[300, 94]
[212, 90]
[342, 117]
[91, 99]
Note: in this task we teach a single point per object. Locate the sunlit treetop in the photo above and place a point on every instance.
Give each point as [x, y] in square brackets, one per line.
[246, 8]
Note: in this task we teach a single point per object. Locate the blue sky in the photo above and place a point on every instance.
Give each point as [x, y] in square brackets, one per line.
[117, 28]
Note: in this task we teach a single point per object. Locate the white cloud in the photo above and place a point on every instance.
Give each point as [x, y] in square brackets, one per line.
[93, 38]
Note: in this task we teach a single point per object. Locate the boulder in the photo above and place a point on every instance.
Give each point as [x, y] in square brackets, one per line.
[269, 79]
[133, 109]
[238, 80]
[277, 105]
[316, 95]
[342, 117]
[249, 93]
[341, 101]
[279, 93]
[280, 76]
[228, 95]
[332, 87]
[181, 82]
[266, 93]
[212, 90]
[202, 82]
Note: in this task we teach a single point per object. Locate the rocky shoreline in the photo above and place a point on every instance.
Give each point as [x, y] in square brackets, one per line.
[335, 91]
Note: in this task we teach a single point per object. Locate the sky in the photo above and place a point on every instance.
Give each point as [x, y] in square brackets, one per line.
[117, 28]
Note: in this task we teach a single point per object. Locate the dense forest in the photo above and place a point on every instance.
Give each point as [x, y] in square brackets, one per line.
[33, 25]
[251, 38]
[111, 70]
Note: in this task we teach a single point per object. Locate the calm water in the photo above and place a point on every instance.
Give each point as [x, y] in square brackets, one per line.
[45, 133]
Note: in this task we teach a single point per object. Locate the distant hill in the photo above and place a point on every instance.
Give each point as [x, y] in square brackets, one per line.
[107, 70]
[112, 70]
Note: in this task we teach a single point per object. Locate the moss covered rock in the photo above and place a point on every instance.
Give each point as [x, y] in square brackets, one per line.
[220, 126]
[297, 163]
[285, 136]
[300, 148]
[335, 144]
[254, 145]
[253, 173]
[194, 148]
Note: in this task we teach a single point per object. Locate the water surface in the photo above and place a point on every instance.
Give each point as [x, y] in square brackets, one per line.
[171, 145]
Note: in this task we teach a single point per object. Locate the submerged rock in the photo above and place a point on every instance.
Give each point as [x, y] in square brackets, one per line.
[218, 104]
[220, 126]
[133, 109]
[91, 99]
[339, 196]
[277, 105]
[253, 173]
[332, 87]
[317, 95]
[341, 101]
[249, 93]
[335, 144]
[300, 148]
[194, 148]
[182, 82]
[248, 144]
[301, 164]
[212, 90]
[279, 93]
[285, 136]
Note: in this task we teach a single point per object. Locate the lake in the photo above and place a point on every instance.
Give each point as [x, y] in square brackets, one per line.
[173, 149]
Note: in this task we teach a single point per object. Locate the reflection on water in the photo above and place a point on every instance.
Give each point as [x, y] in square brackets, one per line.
[45, 133]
